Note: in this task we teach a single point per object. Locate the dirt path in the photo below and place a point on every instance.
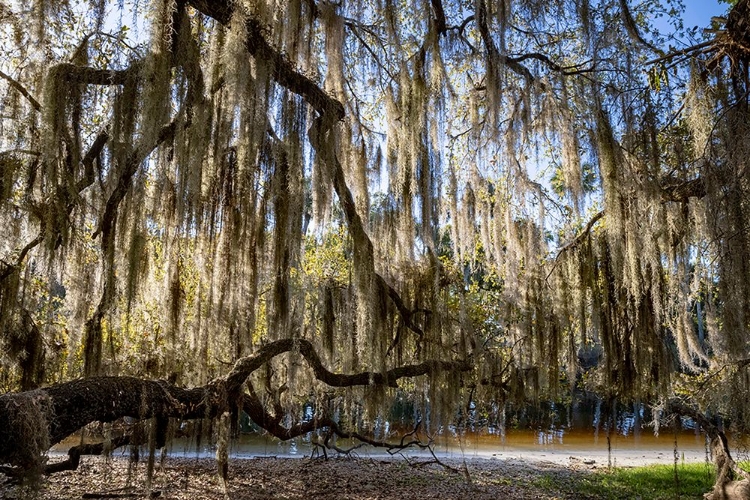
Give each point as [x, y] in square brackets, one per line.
[268, 478]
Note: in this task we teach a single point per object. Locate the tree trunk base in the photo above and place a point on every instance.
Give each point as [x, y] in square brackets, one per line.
[731, 490]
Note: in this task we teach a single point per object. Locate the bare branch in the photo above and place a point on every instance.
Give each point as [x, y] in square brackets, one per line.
[244, 367]
[682, 52]
[580, 236]
[565, 70]
[632, 28]
[20, 88]
[76, 452]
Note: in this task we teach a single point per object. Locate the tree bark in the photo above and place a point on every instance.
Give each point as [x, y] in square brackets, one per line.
[727, 486]
[32, 421]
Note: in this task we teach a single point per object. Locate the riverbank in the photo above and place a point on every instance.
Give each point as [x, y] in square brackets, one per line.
[349, 478]
[560, 447]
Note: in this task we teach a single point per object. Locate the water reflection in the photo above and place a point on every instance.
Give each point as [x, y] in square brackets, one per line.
[585, 424]
[591, 427]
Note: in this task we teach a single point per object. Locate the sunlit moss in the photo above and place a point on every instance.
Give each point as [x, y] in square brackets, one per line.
[207, 225]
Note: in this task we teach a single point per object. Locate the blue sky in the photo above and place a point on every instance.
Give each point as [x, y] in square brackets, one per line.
[699, 12]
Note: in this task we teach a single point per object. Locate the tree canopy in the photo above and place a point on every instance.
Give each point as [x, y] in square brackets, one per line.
[348, 202]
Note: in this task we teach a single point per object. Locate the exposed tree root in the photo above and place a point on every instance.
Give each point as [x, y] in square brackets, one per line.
[76, 452]
[153, 494]
[392, 448]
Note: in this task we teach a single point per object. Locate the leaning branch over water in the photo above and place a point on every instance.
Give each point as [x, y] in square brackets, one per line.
[62, 409]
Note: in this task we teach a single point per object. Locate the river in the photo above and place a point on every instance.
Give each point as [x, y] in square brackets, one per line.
[563, 435]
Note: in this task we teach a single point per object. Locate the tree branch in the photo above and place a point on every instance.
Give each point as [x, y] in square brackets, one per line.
[330, 112]
[8, 269]
[88, 178]
[580, 236]
[20, 88]
[565, 70]
[67, 407]
[632, 28]
[575, 241]
[76, 452]
[272, 424]
[683, 191]
[439, 16]
[682, 52]
[134, 160]
[75, 74]
[492, 52]
[107, 223]
[244, 367]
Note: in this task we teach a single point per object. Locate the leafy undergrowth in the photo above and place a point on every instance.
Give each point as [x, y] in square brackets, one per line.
[648, 482]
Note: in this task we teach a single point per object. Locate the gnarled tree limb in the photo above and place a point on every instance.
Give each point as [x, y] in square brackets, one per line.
[67, 407]
[331, 111]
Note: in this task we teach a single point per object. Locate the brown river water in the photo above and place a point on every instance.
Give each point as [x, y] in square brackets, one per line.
[567, 435]
[590, 447]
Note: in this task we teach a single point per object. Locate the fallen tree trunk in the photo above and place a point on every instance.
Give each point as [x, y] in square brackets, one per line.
[32, 421]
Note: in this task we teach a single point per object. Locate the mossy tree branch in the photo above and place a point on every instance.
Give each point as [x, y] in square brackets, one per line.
[67, 407]
[84, 182]
[322, 135]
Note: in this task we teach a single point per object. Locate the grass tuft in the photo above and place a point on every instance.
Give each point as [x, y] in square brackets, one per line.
[649, 482]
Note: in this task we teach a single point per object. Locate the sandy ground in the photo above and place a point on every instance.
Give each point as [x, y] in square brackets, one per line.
[336, 478]
[534, 468]
[626, 456]
[624, 453]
